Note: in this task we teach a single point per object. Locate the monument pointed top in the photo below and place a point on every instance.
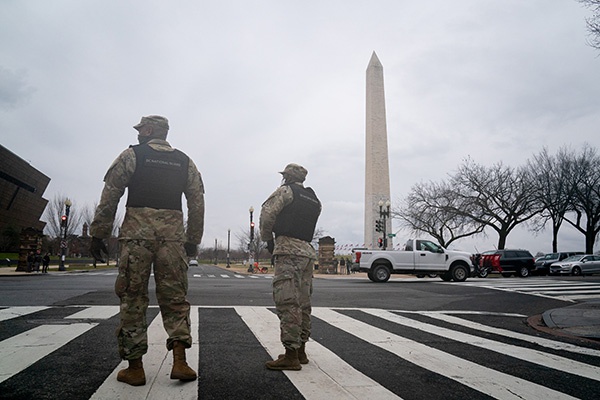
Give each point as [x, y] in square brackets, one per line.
[375, 61]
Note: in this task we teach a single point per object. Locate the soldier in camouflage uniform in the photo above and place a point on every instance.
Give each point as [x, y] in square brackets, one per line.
[152, 236]
[287, 223]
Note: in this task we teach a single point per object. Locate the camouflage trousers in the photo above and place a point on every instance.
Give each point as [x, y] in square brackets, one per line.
[168, 259]
[292, 288]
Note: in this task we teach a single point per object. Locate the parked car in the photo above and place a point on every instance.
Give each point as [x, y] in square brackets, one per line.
[542, 264]
[508, 262]
[577, 265]
[193, 263]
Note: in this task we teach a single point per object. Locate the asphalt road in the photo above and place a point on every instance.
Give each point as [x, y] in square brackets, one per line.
[408, 338]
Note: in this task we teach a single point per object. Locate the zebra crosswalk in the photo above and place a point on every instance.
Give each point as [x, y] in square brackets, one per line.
[228, 275]
[354, 354]
[572, 290]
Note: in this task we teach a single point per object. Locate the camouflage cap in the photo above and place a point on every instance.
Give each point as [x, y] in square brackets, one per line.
[295, 172]
[153, 120]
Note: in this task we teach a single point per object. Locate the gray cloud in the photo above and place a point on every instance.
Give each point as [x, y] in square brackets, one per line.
[14, 89]
[249, 86]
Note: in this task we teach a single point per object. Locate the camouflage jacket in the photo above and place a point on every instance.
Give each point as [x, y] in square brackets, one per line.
[268, 214]
[149, 223]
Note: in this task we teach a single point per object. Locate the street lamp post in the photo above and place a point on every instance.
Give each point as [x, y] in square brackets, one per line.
[250, 244]
[228, 244]
[63, 243]
[384, 213]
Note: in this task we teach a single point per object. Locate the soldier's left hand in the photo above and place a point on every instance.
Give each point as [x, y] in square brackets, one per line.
[270, 246]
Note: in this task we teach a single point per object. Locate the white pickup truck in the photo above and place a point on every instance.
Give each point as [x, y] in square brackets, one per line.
[420, 257]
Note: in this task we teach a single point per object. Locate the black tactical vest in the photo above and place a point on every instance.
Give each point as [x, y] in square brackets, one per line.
[159, 178]
[299, 218]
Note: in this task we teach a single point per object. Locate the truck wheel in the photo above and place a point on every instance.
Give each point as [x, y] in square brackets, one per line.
[459, 273]
[483, 273]
[381, 273]
[523, 272]
[370, 275]
[446, 277]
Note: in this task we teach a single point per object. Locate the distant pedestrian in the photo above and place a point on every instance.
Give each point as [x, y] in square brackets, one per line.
[287, 223]
[342, 265]
[30, 260]
[348, 265]
[37, 261]
[45, 263]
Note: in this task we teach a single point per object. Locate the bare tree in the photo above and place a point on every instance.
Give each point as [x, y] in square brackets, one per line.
[586, 196]
[55, 209]
[593, 23]
[87, 213]
[254, 246]
[319, 233]
[552, 179]
[432, 208]
[498, 197]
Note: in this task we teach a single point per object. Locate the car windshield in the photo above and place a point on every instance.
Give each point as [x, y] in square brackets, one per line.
[573, 258]
[550, 256]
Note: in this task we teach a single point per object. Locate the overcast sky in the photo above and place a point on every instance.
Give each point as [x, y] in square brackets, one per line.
[249, 86]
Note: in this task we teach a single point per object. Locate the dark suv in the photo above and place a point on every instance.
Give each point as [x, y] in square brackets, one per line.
[542, 264]
[508, 262]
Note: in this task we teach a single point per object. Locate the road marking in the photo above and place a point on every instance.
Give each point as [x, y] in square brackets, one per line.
[157, 367]
[326, 376]
[15, 312]
[557, 290]
[478, 377]
[522, 353]
[552, 344]
[96, 312]
[20, 351]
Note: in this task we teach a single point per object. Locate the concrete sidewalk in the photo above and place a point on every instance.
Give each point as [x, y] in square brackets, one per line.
[582, 319]
[12, 271]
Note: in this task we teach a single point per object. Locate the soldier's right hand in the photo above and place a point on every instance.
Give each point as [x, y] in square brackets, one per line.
[97, 247]
[191, 249]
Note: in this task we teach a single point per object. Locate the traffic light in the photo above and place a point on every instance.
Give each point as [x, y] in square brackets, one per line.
[251, 231]
[378, 226]
[380, 242]
[63, 221]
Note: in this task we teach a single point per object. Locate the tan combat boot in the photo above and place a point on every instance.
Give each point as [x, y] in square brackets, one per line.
[288, 361]
[181, 370]
[302, 357]
[134, 374]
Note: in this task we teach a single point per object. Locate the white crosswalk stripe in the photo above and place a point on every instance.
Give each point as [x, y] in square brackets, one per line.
[15, 312]
[205, 276]
[20, 351]
[328, 375]
[319, 382]
[478, 377]
[556, 289]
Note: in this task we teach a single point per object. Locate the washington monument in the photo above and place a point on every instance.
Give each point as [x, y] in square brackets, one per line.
[377, 169]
